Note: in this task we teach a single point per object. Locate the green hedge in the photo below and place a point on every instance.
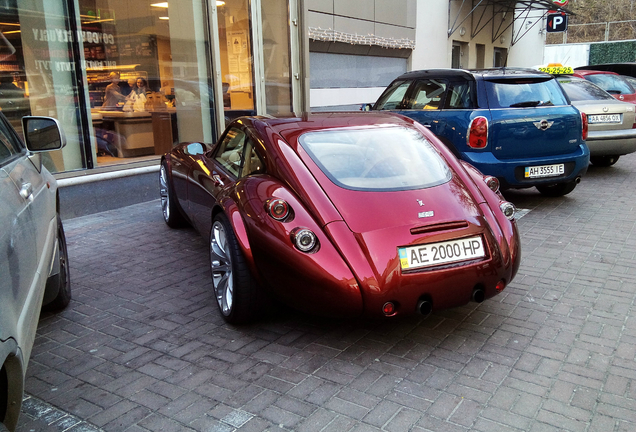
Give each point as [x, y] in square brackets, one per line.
[615, 52]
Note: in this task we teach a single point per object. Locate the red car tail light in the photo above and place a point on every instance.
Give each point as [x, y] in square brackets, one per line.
[492, 183]
[278, 209]
[478, 133]
[500, 285]
[388, 309]
[584, 121]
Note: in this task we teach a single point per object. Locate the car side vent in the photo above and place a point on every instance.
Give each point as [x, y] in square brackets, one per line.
[439, 227]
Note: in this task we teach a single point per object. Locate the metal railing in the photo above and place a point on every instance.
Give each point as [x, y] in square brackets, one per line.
[595, 32]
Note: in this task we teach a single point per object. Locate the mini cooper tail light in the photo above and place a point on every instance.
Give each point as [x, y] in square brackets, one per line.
[584, 121]
[304, 239]
[508, 209]
[278, 209]
[478, 133]
[492, 183]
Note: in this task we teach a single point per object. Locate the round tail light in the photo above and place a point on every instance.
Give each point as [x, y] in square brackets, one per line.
[500, 285]
[388, 309]
[278, 209]
[492, 183]
[508, 209]
[304, 239]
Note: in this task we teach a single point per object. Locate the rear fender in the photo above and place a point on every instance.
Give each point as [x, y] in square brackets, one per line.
[316, 281]
[231, 210]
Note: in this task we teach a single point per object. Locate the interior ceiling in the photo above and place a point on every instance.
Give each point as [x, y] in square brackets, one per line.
[484, 12]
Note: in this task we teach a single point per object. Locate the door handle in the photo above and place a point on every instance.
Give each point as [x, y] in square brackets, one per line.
[217, 180]
[27, 191]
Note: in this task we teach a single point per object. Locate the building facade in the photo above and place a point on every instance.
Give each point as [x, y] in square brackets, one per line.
[358, 47]
[129, 78]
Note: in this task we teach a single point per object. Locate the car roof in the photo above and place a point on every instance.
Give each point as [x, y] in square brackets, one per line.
[472, 73]
[584, 72]
[290, 128]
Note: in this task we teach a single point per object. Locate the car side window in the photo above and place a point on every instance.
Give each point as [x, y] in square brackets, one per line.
[393, 96]
[230, 152]
[427, 95]
[459, 96]
[253, 164]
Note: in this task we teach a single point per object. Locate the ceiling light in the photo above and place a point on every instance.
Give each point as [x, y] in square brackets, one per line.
[164, 18]
[220, 3]
[160, 5]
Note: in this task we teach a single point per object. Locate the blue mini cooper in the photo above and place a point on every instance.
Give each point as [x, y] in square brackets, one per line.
[515, 124]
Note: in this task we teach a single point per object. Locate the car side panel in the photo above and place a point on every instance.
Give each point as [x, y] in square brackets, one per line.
[316, 281]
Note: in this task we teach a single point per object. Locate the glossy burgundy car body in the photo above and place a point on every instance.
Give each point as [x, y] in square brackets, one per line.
[356, 269]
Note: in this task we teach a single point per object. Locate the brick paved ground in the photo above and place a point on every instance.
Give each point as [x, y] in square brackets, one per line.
[143, 348]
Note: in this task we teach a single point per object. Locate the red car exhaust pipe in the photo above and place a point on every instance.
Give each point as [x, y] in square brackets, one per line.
[425, 307]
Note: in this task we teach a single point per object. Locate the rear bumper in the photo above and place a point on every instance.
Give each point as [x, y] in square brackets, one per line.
[510, 171]
[612, 142]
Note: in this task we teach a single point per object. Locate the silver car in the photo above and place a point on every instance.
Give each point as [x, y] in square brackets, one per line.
[33, 254]
[610, 121]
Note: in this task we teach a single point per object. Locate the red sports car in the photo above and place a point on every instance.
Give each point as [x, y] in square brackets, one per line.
[341, 214]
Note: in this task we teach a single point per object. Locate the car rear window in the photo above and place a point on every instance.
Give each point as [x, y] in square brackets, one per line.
[377, 158]
[524, 93]
[612, 84]
[580, 89]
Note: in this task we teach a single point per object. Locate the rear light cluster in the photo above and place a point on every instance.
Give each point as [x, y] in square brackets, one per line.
[508, 209]
[278, 209]
[492, 183]
[478, 133]
[304, 239]
[584, 121]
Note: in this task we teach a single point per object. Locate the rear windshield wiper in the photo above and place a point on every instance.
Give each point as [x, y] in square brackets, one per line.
[525, 104]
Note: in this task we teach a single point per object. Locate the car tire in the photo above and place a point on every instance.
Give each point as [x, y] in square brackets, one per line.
[171, 214]
[557, 189]
[62, 280]
[237, 294]
[603, 161]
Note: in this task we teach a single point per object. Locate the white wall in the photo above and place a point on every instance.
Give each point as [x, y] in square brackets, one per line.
[432, 46]
[528, 51]
[573, 55]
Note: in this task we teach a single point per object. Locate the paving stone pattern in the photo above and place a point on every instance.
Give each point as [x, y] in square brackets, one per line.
[142, 346]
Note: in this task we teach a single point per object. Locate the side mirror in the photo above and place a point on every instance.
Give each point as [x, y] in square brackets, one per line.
[42, 134]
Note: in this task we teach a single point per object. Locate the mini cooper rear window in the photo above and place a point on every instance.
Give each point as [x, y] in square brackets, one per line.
[377, 159]
[524, 93]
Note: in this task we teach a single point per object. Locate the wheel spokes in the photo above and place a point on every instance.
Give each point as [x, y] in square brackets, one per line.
[163, 191]
[221, 265]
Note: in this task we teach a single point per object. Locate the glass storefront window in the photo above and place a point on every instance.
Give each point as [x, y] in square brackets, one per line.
[235, 46]
[128, 79]
[148, 76]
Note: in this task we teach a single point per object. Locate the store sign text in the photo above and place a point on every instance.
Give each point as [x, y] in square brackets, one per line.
[57, 35]
[63, 66]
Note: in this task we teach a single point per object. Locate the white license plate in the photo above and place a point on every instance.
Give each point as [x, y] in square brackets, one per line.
[545, 171]
[432, 254]
[605, 118]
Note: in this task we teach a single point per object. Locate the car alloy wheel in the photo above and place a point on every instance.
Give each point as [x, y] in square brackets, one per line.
[165, 195]
[171, 214]
[221, 265]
